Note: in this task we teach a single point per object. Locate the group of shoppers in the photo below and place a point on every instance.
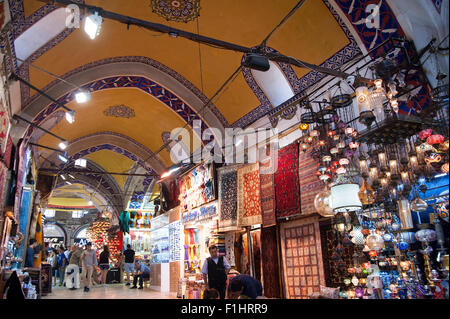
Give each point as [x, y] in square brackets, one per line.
[67, 265]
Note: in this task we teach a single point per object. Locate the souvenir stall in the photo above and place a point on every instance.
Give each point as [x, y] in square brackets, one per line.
[159, 252]
[139, 233]
[375, 170]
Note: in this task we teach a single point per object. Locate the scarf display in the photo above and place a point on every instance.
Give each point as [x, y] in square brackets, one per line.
[310, 185]
[302, 258]
[287, 182]
[227, 181]
[248, 195]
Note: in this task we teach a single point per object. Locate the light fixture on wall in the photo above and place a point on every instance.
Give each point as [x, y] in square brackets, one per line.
[70, 116]
[63, 157]
[82, 96]
[63, 145]
[92, 25]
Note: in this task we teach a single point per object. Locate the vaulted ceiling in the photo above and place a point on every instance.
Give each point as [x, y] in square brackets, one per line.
[144, 84]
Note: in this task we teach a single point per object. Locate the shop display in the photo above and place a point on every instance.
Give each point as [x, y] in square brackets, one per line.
[227, 181]
[197, 187]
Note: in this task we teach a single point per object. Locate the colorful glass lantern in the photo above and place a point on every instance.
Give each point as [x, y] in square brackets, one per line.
[359, 291]
[304, 126]
[331, 133]
[375, 242]
[322, 204]
[326, 158]
[402, 245]
[433, 158]
[349, 130]
[426, 235]
[373, 253]
[304, 146]
[366, 194]
[435, 139]
[344, 161]
[388, 237]
[424, 134]
[354, 145]
[442, 210]
[314, 133]
[341, 170]
[341, 145]
[334, 150]
[444, 146]
[418, 205]
[321, 143]
[405, 265]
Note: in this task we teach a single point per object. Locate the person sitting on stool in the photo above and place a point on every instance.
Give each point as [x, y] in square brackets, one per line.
[141, 272]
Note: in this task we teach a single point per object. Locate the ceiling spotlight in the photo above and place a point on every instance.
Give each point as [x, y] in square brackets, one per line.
[63, 158]
[63, 145]
[92, 25]
[168, 173]
[70, 116]
[68, 183]
[63, 177]
[81, 162]
[71, 176]
[90, 203]
[82, 96]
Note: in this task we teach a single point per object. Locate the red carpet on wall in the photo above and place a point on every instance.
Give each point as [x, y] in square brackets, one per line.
[248, 195]
[287, 182]
[310, 185]
[269, 255]
[266, 173]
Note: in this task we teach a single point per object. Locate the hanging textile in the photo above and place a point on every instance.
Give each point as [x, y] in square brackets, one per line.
[230, 238]
[302, 258]
[270, 269]
[227, 180]
[267, 167]
[287, 182]
[310, 185]
[248, 195]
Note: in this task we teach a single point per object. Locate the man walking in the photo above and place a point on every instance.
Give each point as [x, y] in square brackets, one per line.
[215, 270]
[88, 261]
[73, 270]
[142, 271]
[129, 262]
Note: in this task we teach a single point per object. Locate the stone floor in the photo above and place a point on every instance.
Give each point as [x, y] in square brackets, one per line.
[110, 291]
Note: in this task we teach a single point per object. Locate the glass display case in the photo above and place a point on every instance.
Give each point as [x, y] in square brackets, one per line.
[159, 239]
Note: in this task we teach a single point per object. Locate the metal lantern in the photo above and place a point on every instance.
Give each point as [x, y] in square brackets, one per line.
[357, 236]
[354, 145]
[304, 126]
[418, 205]
[404, 211]
[426, 235]
[366, 194]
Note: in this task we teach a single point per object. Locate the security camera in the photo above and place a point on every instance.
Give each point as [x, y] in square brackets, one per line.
[350, 80]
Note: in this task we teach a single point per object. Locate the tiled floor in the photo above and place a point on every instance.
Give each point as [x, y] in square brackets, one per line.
[111, 291]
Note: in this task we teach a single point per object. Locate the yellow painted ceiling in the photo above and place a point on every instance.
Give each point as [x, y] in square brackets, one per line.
[112, 162]
[71, 202]
[151, 120]
[311, 34]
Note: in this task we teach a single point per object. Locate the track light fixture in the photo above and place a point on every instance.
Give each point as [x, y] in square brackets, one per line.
[92, 25]
[82, 96]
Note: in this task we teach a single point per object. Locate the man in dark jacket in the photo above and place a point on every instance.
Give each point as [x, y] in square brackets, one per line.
[215, 270]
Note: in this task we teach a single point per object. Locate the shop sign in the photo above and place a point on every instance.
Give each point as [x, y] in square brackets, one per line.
[200, 214]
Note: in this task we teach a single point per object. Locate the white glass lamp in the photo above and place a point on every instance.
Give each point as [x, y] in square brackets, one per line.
[344, 198]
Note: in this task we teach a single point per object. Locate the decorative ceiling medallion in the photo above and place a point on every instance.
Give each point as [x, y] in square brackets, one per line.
[119, 111]
[176, 10]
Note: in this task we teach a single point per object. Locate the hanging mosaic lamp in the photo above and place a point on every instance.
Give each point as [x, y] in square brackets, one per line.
[444, 146]
[366, 194]
[357, 236]
[344, 161]
[433, 158]
[388, 237]
[304, 147]
[314, 133]
[349, 130]
[304, 126]
[354, 145]
[375, 242]
[322, 204]
[334, 150]
[426, 235]
[418, 205]
[435, 139]
[442, 210]
[424, 134]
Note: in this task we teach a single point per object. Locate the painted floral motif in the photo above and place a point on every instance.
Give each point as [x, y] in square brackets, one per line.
[120, 111]
[176, 10]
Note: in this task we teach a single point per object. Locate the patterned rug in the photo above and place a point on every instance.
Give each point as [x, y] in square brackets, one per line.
[269, 255]
[266, 169]
[248, 195]
[227, 181]
[310, 185]
[287, 182]
[302, 258]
